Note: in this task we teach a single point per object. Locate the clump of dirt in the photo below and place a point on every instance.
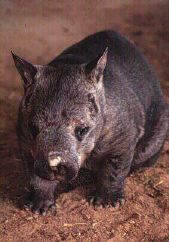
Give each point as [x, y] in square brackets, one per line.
[39, 32]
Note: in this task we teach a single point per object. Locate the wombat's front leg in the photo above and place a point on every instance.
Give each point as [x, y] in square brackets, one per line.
[110, 181]
[42, 196]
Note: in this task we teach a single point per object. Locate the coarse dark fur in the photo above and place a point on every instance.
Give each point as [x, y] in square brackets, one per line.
[99, 105]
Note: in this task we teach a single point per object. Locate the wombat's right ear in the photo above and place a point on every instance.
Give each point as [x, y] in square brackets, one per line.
[95, 68]
[25, 69]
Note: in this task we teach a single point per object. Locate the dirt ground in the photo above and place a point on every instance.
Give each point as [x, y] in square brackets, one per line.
[38, 31]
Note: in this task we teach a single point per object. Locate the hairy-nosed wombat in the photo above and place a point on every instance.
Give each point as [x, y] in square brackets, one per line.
[98, 103]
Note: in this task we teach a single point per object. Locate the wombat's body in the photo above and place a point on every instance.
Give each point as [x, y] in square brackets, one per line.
[97, 107]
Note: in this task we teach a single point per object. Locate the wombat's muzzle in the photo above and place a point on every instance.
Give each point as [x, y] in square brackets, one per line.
[56, 155]
[56, 168]
[62, 169]
[64, 172]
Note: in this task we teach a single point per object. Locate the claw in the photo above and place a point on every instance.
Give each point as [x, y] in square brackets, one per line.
[41, 207]
[28, 206]
[96, 202]
[122, 202]
[116, 205]
[106, 202]
[43, 212]
[91, 201]
[44, 208]
[53, 209]
[119, 203]
[36, 210]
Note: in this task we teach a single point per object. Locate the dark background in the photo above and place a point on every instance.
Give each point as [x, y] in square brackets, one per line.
[38, 31]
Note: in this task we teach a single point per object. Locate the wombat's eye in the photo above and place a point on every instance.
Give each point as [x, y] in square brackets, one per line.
[33, 129]
[80, 132]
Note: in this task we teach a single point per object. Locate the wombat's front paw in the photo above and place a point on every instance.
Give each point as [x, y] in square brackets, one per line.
[107, 199]
[40, 205]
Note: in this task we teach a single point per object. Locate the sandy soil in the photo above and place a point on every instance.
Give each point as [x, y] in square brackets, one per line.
[38, 31]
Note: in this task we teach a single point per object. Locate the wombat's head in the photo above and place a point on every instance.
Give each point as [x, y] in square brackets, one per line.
[62, 110]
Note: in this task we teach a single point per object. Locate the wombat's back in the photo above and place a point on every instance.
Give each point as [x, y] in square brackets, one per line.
[126, 66]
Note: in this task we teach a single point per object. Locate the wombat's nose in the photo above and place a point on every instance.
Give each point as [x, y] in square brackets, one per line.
[54, 161]
[60, 172]
[59, 169]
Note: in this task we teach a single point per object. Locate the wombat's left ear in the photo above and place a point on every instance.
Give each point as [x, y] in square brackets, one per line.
[96, 67]
[25, 69]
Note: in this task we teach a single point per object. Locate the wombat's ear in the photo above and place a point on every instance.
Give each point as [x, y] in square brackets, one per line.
[25, 69]
[96, 67]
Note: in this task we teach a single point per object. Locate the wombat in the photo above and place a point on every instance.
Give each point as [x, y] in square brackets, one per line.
[98, 105]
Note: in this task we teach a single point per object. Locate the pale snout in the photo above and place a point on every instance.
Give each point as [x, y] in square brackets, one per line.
[54, 160]
[56, 165]
[62, 170]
